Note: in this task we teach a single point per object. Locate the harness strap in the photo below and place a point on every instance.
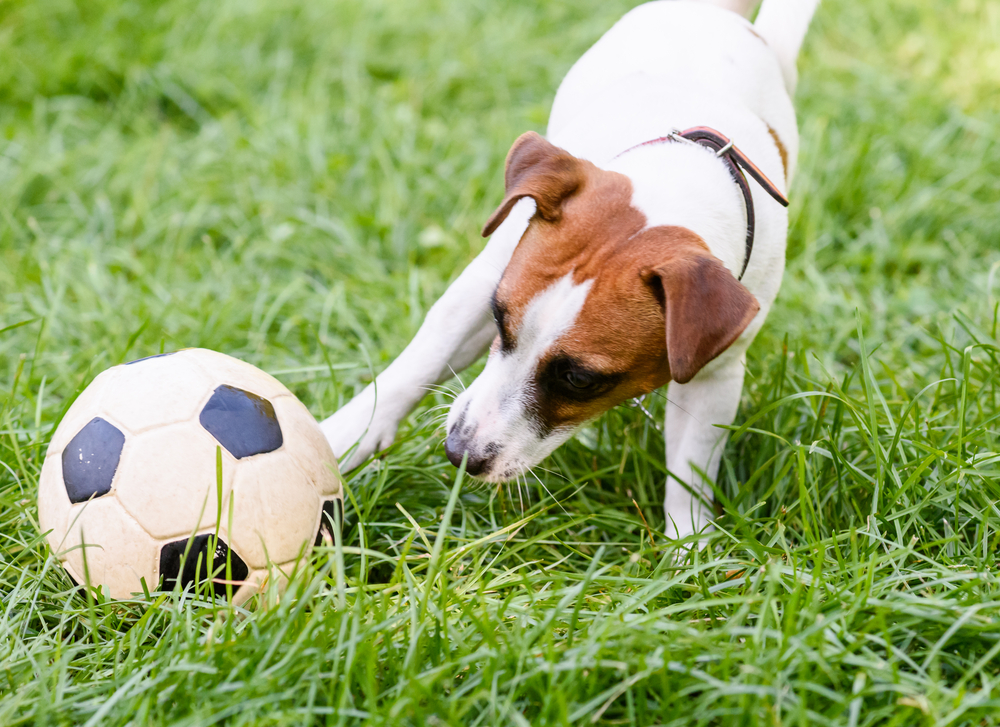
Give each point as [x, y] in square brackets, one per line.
[736, 161]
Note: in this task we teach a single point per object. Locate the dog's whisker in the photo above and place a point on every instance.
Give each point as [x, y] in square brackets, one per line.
[440, 389]
[556, 473]
[535, 475]
[440, 407]
[455, 374]
[433, 415]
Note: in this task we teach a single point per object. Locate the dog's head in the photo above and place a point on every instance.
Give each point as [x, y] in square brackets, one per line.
[593, 309]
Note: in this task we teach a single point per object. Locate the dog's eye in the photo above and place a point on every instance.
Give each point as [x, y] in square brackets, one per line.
[578, 379]
[567, 379]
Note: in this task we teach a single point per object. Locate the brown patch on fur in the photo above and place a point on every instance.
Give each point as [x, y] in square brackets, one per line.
[595, 216]
[659, 302]
[782, 151]
[705, 307]
[618, 333]
[537, 169]
[660, 307]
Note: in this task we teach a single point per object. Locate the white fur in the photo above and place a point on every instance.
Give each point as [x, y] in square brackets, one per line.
[495, 405]
[457, 330]
[665, 65]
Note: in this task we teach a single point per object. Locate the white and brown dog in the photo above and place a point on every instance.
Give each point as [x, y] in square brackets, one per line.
[626, 254]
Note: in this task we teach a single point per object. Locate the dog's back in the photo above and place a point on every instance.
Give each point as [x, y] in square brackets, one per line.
[693, 56]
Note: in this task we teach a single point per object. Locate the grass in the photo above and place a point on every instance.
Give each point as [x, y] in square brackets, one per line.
[295, 182]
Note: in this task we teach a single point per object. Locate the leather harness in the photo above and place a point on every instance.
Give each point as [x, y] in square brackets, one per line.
[736, 161]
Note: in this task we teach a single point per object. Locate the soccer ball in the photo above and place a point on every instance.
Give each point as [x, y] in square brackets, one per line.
[132, 492]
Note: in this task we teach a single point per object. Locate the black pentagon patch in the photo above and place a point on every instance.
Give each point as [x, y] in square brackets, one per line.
[333, 515]
[243, 423]
[146, 358]
[90, 460]
[194, 568]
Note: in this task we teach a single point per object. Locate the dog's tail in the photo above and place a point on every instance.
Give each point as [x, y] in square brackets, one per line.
[783, 25]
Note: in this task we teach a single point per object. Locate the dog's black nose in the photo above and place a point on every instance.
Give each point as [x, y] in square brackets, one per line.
[455, 446]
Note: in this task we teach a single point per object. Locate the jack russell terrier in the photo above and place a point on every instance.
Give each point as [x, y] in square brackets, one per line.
[630, 252]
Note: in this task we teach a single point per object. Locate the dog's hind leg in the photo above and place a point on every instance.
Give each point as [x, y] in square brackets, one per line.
[695, 441]
[783, 25]
[456, 331]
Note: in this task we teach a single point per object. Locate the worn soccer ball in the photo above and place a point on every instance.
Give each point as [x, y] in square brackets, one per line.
[132, 492]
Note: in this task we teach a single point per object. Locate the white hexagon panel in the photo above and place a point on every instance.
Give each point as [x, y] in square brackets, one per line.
[53, 502]
[130, 478]
[81, 411]
[158, 390]
[228, 370]
[168, 480]
[309, 447]
[279, 520]
[105, 547]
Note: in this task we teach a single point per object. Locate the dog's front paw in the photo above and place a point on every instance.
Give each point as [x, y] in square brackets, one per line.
[690, 521]
[356, 424]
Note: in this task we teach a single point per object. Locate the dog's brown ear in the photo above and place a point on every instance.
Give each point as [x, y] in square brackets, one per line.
[705, 306]
[537, 169]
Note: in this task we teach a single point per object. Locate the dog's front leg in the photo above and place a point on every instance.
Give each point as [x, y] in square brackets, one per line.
[456, 331]
[695, 441]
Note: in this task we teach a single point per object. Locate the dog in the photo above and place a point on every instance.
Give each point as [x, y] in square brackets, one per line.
[629, 252]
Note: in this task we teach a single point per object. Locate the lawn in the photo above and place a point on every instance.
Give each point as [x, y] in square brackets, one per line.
[294, 183]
